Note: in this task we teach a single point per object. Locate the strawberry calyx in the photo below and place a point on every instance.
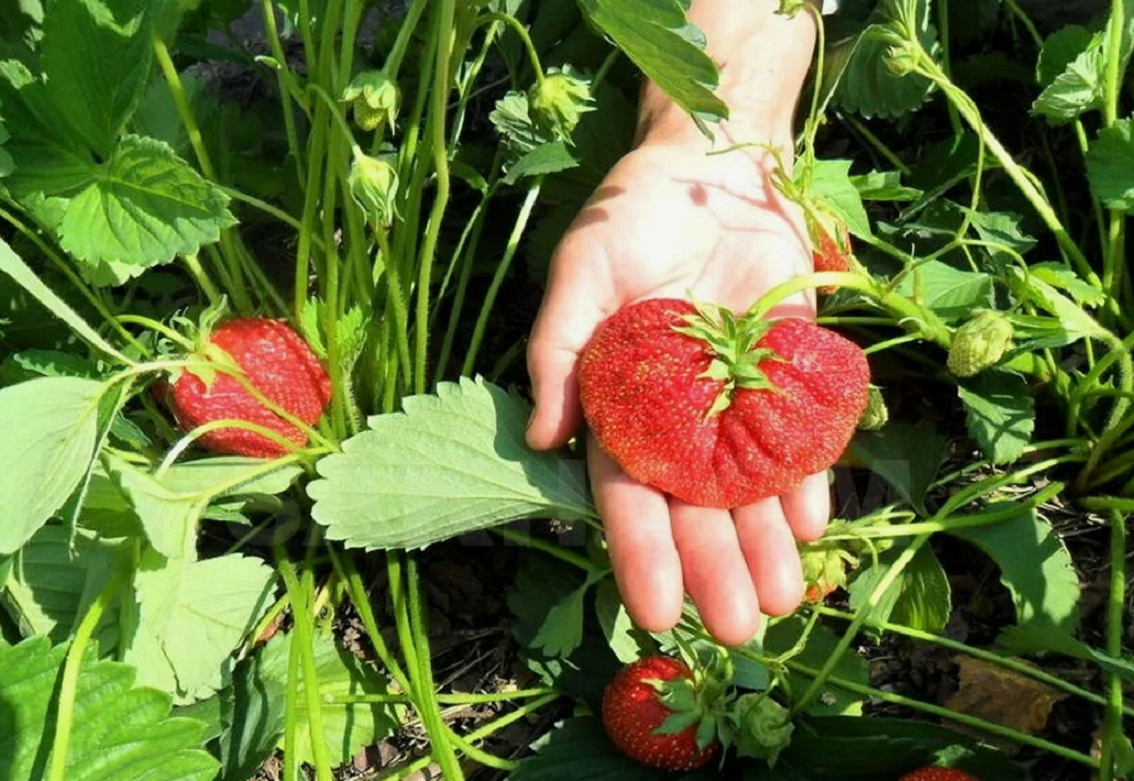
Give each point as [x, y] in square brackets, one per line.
[732, 341]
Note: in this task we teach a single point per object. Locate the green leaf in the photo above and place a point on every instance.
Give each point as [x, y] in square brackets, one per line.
[579, 750]
[13, 266]
[49, 427]
[926, 598]
[1038, 637]
[1034, 565]
[1061, 49]
[659, 38]
[870, 88]
[620, 633]
[96, 59]
[449, 464]
[906, 456]
[193, 615]
[548, 158]
[867, 579]
[53, 578]
[169, 520]
[118, 732]
[832, 185]
[1064, 278]
[1070, 315]
[346, 727]
[230, 476]
[250, 720]
[884, 186]
[951, 293]
[562, 630]
[1002, 228]
[1000, 414]
[143, 207]
[1110, 166]
[1078, 89]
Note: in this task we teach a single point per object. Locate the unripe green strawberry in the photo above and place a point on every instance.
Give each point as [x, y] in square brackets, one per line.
[824, 570]
[374, 98]
[876, 414]
[763, 728]
[979, 344]
[557, 103]
[373, 184]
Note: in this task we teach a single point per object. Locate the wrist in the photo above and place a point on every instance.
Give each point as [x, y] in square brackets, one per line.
[763, 59]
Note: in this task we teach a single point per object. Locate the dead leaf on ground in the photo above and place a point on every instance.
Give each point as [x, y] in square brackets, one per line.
[1002, 696]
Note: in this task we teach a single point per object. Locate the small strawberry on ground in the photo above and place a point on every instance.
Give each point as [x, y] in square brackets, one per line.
[676, 734]
[275, 361]
[938, 774]
[720, 410]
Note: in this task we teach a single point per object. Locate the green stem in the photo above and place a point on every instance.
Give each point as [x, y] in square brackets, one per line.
[604, 69]
[449, 699]
[291, 716]
[480, 755]
[946, 59]
[426, 690]
[877, 143]
[498, 277]
[861, 617]
[526, 540]
[286, 83]
[1025, 20]
[193, 263]
[514, 23]
[193, 131]
[395, 293]
[365, 610]
[405, 35]
[69, 684]
[1007, 663]
[316, 148]
[422, 763]
[444, 33]
[76, 282]
[304, 638]
[1022, 178]
[946, 714]
[1116, 615]
[161, 328]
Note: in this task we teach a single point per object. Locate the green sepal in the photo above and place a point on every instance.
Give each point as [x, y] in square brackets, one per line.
[677, 722]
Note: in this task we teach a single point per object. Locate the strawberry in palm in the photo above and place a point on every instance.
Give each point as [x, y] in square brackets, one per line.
[275, 361]
[719, 410]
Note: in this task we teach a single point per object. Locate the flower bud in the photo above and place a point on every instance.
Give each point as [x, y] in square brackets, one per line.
[876, 415]
[373, 183]
[374, 98]
[764, 727]
[979, 344]
[557, 102]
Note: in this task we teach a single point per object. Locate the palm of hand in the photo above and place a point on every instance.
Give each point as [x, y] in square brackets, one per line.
[670, 223]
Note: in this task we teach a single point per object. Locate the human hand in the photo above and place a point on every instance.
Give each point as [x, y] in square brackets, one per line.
[669, 221]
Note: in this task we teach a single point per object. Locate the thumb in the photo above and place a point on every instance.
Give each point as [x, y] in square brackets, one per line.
[579, 297]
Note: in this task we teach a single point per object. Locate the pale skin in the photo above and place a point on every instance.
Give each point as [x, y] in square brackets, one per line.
[669, 221]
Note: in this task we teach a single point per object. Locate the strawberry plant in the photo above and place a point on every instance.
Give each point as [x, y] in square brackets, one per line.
[267, 271]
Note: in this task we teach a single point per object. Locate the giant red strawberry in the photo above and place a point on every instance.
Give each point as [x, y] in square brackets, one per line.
[276, 361]
[633, 712]
[716, 410]
[938, 774]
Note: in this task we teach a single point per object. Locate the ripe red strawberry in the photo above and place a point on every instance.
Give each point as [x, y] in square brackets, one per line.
[827, 256]
[632, 711]
[278, 363]
[720, 411]
[938, 774]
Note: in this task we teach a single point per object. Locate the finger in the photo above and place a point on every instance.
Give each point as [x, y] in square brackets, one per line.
[577, 300]
[638, 534]
[808, 507]
[716, 575]
[773, 561]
